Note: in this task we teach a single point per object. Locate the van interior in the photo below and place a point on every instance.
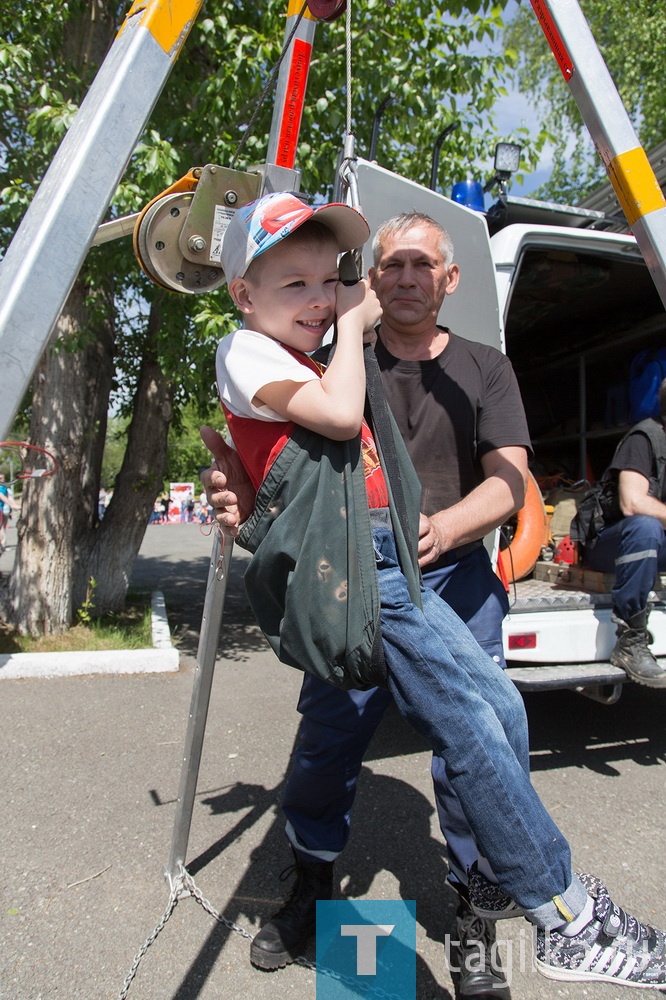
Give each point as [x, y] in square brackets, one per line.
[576, 321]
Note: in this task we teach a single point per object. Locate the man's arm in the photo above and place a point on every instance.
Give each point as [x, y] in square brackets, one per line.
[500, 495]
[635, 499]
[228, 488]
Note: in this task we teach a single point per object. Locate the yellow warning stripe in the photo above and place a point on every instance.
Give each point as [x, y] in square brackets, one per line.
[168, 21]
[635, 184]
[296, 6]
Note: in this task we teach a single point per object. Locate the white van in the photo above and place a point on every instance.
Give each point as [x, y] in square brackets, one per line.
[571, 303]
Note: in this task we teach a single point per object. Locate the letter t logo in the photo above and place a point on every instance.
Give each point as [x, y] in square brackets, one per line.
[344, 964]
[366, 944]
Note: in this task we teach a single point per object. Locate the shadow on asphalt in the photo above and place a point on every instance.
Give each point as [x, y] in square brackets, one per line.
[185, 594]
[393, 820]
[569, 730]
[566, 730]
[388, 816]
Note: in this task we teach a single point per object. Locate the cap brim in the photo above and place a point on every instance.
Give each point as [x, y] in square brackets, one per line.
[346, 223]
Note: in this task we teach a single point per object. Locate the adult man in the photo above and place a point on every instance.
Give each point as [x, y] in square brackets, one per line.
[459, 410]
[633, 542]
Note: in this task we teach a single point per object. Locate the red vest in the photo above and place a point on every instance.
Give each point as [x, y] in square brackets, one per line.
[259, 442]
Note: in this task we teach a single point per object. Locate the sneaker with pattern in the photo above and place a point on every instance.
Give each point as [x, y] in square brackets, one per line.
[488, 899]
[614, 947]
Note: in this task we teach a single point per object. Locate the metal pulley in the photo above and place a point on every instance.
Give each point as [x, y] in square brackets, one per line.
[178, 236]
[327, 10]
[157, 247]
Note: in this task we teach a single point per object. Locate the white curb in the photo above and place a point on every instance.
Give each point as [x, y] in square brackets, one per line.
[161, 658]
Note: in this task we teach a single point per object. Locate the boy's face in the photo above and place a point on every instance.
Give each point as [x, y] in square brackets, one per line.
[291, 297]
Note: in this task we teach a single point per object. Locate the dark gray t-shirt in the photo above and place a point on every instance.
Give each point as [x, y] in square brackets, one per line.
[451, 411]
[635, 454]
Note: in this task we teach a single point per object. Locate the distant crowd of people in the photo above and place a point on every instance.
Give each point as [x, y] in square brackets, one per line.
[187, 510]
[168, 510]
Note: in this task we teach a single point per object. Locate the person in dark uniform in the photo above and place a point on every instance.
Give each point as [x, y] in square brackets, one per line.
[633, 545]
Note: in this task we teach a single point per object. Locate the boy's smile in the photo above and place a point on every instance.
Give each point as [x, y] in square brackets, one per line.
[289, 293]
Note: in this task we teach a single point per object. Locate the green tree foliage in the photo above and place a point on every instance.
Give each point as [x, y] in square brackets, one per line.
[434, 64]
[632, 40]
[187, 454]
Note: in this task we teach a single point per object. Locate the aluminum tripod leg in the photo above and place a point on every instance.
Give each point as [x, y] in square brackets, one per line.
[608, 123]
[291, 86]
[216, 589]
[45, 256]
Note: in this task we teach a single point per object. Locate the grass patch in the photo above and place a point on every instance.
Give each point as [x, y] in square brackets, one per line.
[126, 629]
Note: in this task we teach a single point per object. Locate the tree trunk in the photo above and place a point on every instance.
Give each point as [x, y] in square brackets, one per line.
[69, 406]
[61, 542]
[116, 542]
[89, 35]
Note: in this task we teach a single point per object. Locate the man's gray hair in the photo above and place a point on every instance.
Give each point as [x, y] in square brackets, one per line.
[404, 222]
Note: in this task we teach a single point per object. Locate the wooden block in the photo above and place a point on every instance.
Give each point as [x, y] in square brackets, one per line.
[575, 577]
[597, 582]
[551, 572]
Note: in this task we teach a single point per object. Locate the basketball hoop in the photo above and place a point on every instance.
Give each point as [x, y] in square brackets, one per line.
[20, 460]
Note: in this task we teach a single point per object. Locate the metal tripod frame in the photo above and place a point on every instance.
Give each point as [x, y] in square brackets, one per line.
[211, 621]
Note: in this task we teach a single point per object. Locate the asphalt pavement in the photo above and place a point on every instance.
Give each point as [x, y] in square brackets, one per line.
[90, 775]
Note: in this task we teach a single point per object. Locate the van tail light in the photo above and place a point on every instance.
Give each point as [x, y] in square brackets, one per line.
[527, 640]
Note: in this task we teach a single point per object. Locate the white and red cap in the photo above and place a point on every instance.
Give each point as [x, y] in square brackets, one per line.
[261, 224]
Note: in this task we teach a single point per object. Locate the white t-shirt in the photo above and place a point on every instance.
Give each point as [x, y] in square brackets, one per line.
[247, 361]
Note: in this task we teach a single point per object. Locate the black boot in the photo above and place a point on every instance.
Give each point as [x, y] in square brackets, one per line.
[283, 938]
[632, 654]
[475, 959]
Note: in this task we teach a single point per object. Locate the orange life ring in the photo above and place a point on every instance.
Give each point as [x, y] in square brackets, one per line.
[531, 534]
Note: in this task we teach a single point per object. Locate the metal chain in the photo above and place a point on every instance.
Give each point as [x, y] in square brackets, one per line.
[196, 893]
[181, 887]
[171, 906]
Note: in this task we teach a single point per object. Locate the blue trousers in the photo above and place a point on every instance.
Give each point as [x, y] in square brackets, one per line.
[337, 727]
[634, 549]
[472, 717]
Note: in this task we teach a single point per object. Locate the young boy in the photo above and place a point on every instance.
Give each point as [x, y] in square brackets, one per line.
[280, 258]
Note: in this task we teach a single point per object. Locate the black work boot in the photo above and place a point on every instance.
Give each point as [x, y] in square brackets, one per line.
[475, 959]
[282, 939]
[632, 654]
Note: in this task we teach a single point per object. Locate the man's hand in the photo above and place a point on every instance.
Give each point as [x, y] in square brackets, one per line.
[431, 543]
[228, 488]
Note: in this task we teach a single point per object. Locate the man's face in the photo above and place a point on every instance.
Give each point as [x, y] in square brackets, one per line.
[411, 279]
